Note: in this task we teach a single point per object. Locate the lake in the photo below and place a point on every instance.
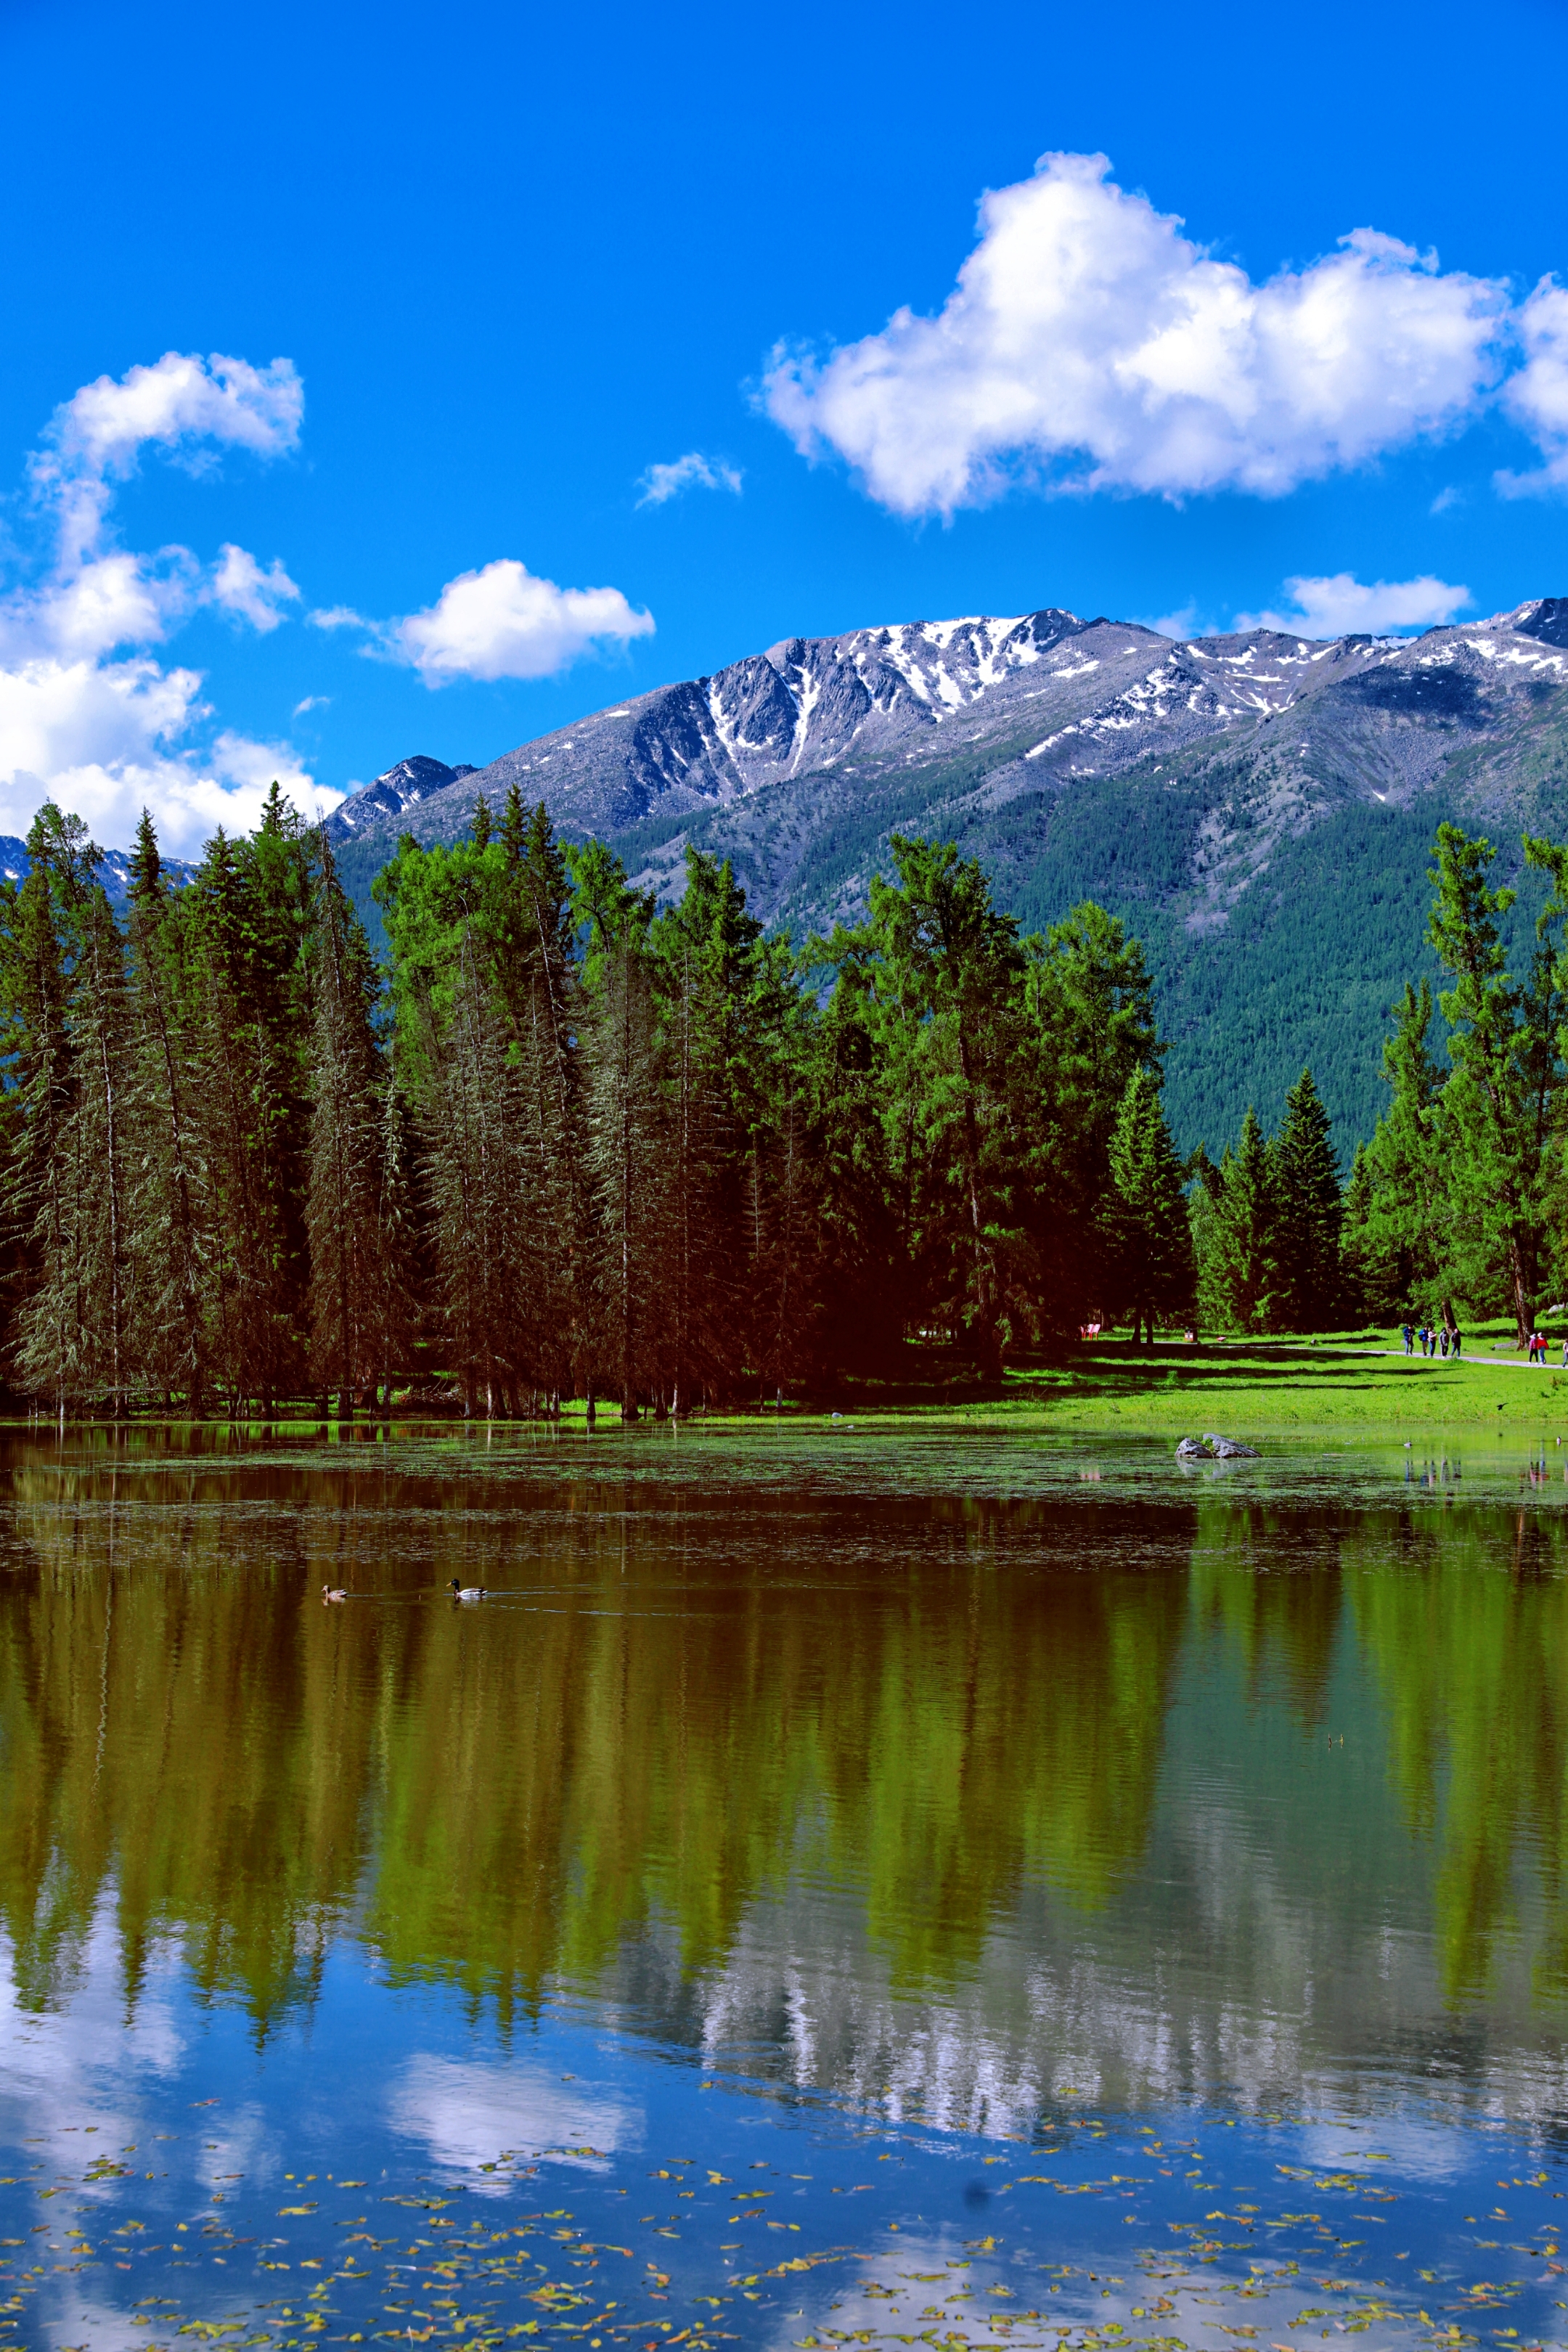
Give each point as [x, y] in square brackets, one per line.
[845, 1885]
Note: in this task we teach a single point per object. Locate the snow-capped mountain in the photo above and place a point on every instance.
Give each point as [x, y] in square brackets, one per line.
[1064, 695]
[387, 796]
[1258, 806]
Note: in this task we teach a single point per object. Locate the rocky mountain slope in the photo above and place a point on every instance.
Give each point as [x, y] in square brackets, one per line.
[1258, 807]
[114, 872]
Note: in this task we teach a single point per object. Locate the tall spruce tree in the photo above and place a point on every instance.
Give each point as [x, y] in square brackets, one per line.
[38, 985]
[1501, 1106]
[354, 1277]
[1242, 1279]
[1150, 1268]
[170, 1188]
[1310, 1212]
[948, 1008]
[1399, 1222]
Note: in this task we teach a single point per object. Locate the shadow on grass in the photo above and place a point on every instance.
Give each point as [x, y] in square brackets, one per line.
[1269, 1365]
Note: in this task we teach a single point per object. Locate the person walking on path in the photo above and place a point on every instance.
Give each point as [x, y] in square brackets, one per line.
[1408, 1335]
[1454, 1344]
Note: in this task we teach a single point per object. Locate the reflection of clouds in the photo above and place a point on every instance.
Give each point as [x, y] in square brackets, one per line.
[245, 2145]
[69, 2075]
[943, 2279]
[82, 2321]
[1425, 2151]
[467, 2114]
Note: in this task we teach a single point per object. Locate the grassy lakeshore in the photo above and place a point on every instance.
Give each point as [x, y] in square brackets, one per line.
[1257, 1386]
[1348, 1382]
[1246, 1388]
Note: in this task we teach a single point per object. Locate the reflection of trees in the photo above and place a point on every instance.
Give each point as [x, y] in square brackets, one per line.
[1269, 1582]
[677, 1721]
[1465, 1619]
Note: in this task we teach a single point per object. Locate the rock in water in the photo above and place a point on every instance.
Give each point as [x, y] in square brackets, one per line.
[1192, 1449]
[1227, 1449]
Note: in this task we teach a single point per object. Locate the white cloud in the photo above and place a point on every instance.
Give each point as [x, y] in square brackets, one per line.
[339, 616]
[1182, 624]
[184, 403]
[312, 702]
[1343, 607]
[103, 738]
[1088, 343]
[692, 472]
[503, 621]
[466, 2114]
[1537, 397]
[91, 608]
[86, 717]
[241, 587]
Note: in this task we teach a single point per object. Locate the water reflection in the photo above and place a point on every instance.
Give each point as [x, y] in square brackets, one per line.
[993, 1797]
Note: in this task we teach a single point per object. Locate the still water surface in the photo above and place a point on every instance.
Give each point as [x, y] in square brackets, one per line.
[843, 1885]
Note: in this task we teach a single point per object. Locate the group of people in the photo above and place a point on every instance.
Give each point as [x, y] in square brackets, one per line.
[1443, 1339]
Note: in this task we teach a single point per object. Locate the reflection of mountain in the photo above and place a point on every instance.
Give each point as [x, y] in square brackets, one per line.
[988, 1801]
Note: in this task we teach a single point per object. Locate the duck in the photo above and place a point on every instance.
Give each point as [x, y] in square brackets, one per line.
[333, 1593]
[467, 1592]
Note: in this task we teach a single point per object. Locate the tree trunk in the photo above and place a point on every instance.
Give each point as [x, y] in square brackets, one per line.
[1523, 1300]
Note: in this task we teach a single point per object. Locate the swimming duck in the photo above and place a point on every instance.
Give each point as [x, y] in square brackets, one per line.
[333, 1593]
[467, 1592]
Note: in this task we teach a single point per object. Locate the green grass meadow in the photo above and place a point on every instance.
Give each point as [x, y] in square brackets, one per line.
[1348, 1381]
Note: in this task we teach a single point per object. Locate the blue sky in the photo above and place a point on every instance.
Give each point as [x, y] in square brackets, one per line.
[482, 271]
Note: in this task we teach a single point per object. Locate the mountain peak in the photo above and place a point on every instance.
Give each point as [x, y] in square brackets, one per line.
[387, 796]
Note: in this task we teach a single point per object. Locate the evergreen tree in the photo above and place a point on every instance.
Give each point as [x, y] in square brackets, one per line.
[170, 1203]
[354, 1279]
[1242, 1279]
[1398, 1218]
[628, 1155]
[1502, 1106]
[1151, 1265]
[251, 915]
[1091, 1007]
[1310, 1212]
[74, 1333]
[948, 1012]
[38, 972]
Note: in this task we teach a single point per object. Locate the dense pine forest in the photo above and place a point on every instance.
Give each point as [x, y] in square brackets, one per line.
[567, 1144]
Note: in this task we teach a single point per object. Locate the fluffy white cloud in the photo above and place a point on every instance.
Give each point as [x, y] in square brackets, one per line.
[692, 472]
[185, 405]
[103, 738]
[503, 621]
[86, 717]
[1180, 625]
[1342, 605]
[1537, 396]
[241, 587]
[1088, 343]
